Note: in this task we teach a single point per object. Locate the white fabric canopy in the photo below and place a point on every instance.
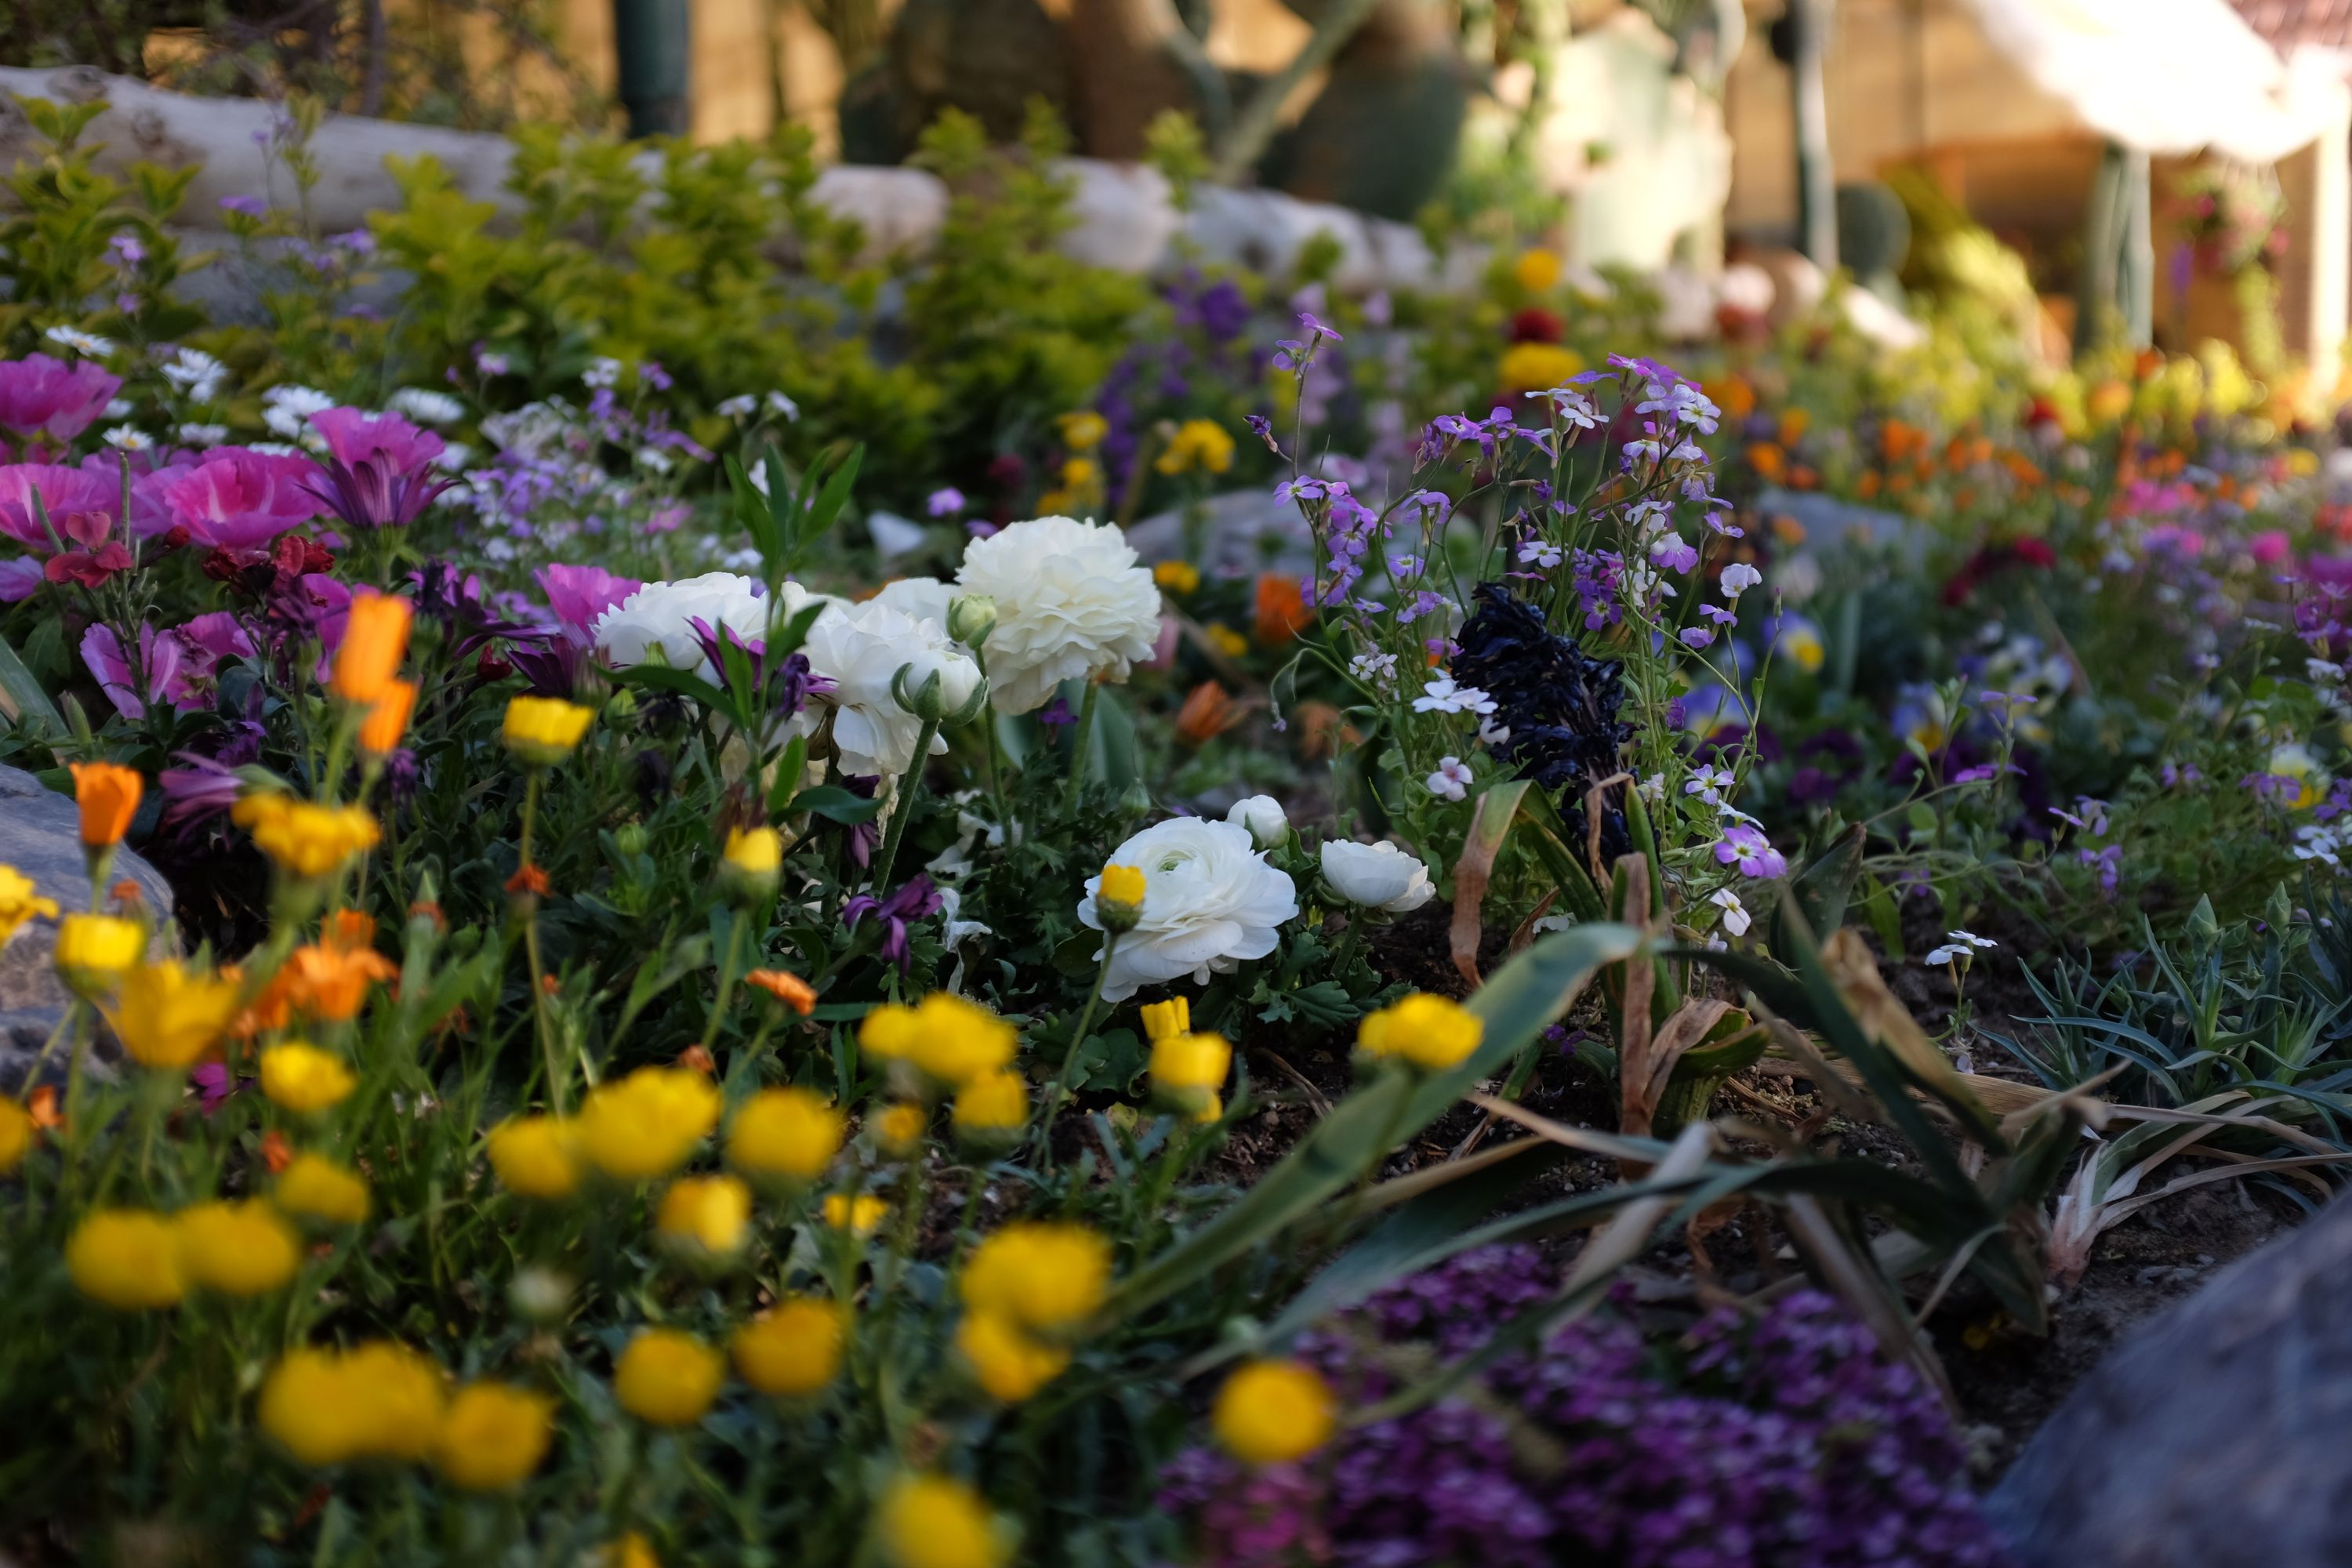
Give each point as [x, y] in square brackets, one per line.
[2170, 76]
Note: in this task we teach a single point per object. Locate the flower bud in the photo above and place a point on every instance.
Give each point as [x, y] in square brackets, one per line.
[1119, 898]
[754, 858]
[970, 617]
[631, 838]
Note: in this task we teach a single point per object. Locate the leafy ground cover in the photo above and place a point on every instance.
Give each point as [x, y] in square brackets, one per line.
[751, 981]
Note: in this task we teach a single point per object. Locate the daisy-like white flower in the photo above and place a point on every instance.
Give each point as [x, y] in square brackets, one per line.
[129, 438]
[1959, 946]
[426, 406]
[81, 343]
[1452, 779]
[1736, 919]
[1440, 695]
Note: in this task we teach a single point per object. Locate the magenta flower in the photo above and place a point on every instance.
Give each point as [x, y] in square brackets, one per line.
[356, 436]
[379, 468]
[238, 500]
[159, 656]
[63, 490]
[45, 396]
[580, 595]
[19, 579]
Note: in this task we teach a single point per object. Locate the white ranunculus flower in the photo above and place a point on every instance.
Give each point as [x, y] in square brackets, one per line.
[1377, 876]
[923, 598]
[1210, 901]
[1071, 602]
[661, 613]
[859, 648]
[1263, 816]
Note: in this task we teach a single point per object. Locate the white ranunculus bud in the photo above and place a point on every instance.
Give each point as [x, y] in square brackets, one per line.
[1377, 876]
[1071, 603]
[1211, 902]
[1263, 816]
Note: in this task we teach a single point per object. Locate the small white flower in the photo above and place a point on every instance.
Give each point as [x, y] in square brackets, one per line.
[195, 372]
[1738, 578]
[1735, 918]
[2314, 842]
[1263, 817]
[1377, 876]
[1440, 695]
[1491, 735]
[656, 459]
[203, 435]
[2325, 671]
[601, 372]
[1654, 788]
[129, 438]
[427, 406]
[779, 404]
[1961, 946]
[1452, 779]
[273, 449]
[1540, 553]
[120, 407]
[739, 406]
[81, 343]
[287, 409]
[1709, 784]
[1377, 670]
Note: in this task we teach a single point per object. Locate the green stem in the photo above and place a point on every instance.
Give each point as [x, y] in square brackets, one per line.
[735, 924]
[1061, 1089]
[1081, 740]
[909, 783]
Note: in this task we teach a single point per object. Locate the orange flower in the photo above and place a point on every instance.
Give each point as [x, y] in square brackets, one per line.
[387, 718]
[376, 638]
[1282, 611]
[275, 1152]
[328, 979]
[701, 1060]
[1768, 461]
[790, 989]
[43, 1104]
[107, 793]
[1318, 726]
[1207, 713]
[348, 928]
[529, 878]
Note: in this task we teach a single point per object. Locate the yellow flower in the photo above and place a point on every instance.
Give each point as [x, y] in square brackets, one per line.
[937, 1522]
[1197, 444]
[16, 1134]
[93, 951]
[167, 1015]
[785, 1132]
[377, 1400]
[543, 731]
[1225, 640]
[127, 1259]
[900, 1127]
[304, 839]
[1161, 1019]
[646, 1124]
[315, 1186]
[1005, 1362]
[794, 1349]
[1043, 1276]
[705, 1213]
[18, 903]
[304, 1079]
[753, 860]
[492, 1436]
[1084, 430]
[237, 1249]
[954, 1041]
[1536, 270]
[859, 1218]
[668, 1378]
[536, 1156]
[1271, 1412]
[991, 1106]
[1537, 367]
[1430, 1032]
[1188, 1070]
[1119, 898]
[1177, 576]
[887, 1031]
[632, 1550]
[1080, 474]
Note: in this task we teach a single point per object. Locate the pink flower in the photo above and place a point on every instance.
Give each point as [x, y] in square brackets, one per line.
[205, 642]
[43, 396]
[159, 656]
[63, 490]
[2269, 547]
[355, 436]
[238, 500]
[579, 595]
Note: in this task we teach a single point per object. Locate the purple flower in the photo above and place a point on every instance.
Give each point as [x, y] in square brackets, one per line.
[1746, 847]
[245, 206]
[946, 501]
[1056, 714]
[580, 594]
[916, 898]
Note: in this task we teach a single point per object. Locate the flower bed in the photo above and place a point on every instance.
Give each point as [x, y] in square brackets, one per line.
[746, 971]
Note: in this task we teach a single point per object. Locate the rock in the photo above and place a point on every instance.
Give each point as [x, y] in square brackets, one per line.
[41, 836]
[1242, 532]
[2213, 1436]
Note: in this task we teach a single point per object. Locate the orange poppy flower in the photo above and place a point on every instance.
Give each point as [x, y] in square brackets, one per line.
[375, 639]
[1281, 613]
[790, 989]
[529, 878]
[275, 1152]
[1207, 713]
[387, 718]
[328, 980]
[107, 793]
[43, 1104]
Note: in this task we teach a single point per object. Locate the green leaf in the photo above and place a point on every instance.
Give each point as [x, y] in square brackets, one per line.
[684, 683]
[836, 804]
[1822, 888]
[22, 700]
